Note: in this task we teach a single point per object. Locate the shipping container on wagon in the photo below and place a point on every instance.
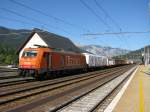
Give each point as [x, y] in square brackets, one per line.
[111, 62]
[120, 61]
[95, 60]
[105, 61]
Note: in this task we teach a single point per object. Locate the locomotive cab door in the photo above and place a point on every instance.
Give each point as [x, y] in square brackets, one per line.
[47, 60]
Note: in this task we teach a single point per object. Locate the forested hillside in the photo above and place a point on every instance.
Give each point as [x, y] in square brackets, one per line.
[133, 55]
[10, 40]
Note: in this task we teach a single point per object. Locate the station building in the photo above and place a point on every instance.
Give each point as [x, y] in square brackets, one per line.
[43, 38]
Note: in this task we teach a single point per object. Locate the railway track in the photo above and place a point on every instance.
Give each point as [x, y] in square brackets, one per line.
[8, 77]
[103, 104]
[7, 70]
[50, 82]
[54, 89]
[93, 96]
[14, 81]
[80, 103]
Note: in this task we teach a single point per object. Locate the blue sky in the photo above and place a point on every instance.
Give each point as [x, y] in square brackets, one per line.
[129, 15]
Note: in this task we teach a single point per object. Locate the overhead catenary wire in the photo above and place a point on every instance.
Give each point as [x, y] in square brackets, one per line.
[114, 22]
[15, 20]
[99, 17]
[94, 13]
[115, 33]
[106, 14]
[48, 15]
[32, 19]
[21, 15]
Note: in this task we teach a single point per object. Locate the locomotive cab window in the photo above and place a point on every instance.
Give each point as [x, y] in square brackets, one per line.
[29, 54]
[46, 55]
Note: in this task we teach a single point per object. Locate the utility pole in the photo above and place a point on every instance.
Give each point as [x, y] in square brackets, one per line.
[147, 55]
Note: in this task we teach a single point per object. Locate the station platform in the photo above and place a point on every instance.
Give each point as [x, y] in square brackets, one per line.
[136, 96]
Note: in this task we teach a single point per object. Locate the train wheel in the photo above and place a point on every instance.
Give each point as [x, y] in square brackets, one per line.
[85, 70]
[23, 73]
[46, 75]
[54, 74]
[20, 72]
[37, 76]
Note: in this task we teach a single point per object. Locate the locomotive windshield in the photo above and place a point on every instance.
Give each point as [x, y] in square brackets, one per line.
[29, 54]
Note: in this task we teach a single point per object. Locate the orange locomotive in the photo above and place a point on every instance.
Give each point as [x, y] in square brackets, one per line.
[42, 62]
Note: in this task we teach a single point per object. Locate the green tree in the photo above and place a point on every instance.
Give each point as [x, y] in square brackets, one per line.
[8, 59]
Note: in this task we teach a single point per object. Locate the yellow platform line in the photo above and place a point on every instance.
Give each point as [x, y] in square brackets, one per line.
[141, 94]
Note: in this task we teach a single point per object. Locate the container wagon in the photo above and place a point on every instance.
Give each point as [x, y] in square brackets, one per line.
[95, 61]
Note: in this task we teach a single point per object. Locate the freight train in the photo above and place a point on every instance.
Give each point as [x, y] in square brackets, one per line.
[42, 62]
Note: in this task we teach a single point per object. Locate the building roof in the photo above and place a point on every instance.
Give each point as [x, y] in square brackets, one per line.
[53, 40]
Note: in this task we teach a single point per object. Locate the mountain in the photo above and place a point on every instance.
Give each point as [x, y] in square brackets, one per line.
[104, 51]
[13, 38]
[10, 42]
[133, 55]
